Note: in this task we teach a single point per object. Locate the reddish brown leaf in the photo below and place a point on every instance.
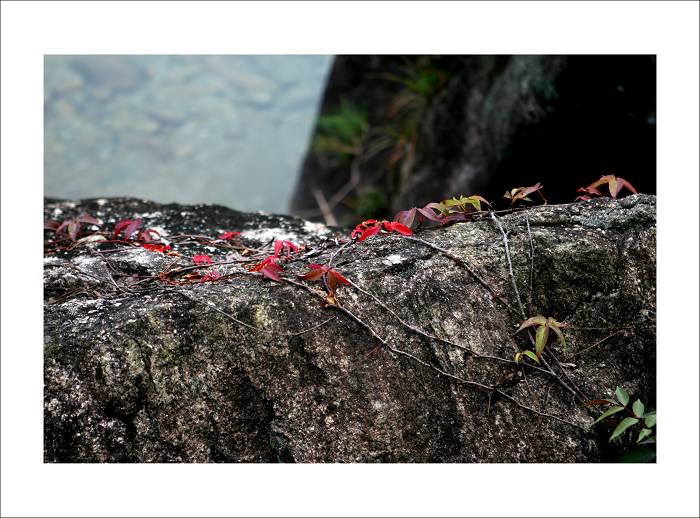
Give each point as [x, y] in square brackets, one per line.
[201, 259]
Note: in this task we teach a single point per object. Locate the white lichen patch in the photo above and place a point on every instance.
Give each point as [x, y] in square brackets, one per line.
[316, 228]
[264, 235]
[156, 214]
[393, 259]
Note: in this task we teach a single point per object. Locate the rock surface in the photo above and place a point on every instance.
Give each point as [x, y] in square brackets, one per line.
[245, 369]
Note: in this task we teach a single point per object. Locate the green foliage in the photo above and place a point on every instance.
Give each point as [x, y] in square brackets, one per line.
[635, 416]
[342, 131]
[543, 326]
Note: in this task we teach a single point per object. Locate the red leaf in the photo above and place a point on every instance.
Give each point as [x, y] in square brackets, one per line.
[211, 276]
[429, 214]
[270, 271]
[73, 229]
[156, 248]
[282, 245]
[51, 225]
[333, 274]
[86, 218]
[395, 226]
[367, 233]
[406, 217]
[119, 226]
[131, 228]
[317, 271]
[201, 259]
[228, 235]
[63, 226]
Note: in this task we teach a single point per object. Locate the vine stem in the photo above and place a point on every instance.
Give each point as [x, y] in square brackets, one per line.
[435, 337]
[211, 305]
[460, 262]
[506, 246]
[488, 388]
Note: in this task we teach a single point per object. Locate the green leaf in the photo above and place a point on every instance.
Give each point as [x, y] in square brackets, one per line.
[610, 411]
[648, 441]
[518, 357]
[643, 434]
[650, 419]
[555, 326]
[638, 408]
[541, 339]
[622, 396]
[532, 355]
[639, 455]
[624, 425]
[539, 320]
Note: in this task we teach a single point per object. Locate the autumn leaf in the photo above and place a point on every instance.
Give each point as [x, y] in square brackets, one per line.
[332, 277]
[395, 226]
[614, 183]
[226, 236]
[522, 193]
[156, 247]
[285, 245]
[71, 226]
[127, 226]
[269, 268]
[210, 276]
[372, 227]
[201, 259]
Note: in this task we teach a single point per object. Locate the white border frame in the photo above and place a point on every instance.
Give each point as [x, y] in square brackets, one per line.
[32, 29]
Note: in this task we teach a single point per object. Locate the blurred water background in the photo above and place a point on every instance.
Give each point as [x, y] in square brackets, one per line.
[219, 129]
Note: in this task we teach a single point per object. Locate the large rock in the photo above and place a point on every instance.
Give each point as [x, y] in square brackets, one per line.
[245, 369]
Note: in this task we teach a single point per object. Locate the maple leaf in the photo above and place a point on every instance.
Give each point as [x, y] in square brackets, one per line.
[521, 193]
[210, 276]
[447, 211]
[395, 226]
[332, 277]
[71, 226]
[614, 183]
[201, 259]
[127, 226]
[156, 247]
[269, 268]
[371, 227]
[285, 245]
[226, 236]
[360, 228]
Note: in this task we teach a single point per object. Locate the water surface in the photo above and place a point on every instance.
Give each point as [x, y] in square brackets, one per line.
[192, 129]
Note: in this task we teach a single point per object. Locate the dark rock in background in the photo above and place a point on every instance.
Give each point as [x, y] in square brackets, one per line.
[151, 372]
[443, 126]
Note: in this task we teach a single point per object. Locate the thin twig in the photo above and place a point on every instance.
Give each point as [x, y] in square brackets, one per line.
[581, 394]
[328, 216]
[520, 303]
[532, 262]
[211, 305]
[510, 264]
[595, 344]
[460, 262]
[436, 338]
